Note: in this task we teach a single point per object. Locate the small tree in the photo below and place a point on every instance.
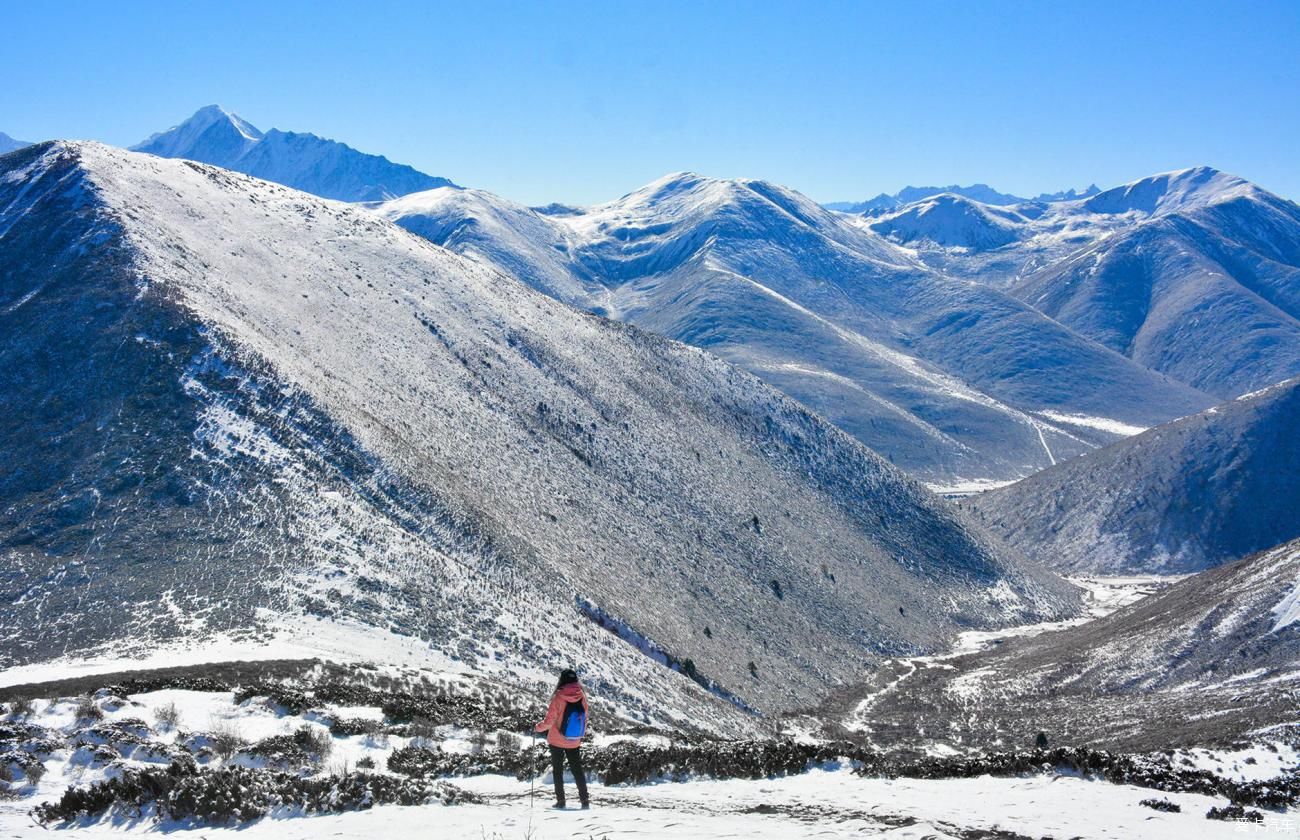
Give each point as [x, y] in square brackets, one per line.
[168, 716]
[88, 709]
[22, 707]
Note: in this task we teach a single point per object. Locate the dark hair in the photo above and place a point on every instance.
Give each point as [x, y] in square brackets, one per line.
[568, 675]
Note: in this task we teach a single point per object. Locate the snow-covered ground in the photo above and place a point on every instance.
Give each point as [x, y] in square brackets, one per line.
[1102, 596]
[829, 801]
[825, 803]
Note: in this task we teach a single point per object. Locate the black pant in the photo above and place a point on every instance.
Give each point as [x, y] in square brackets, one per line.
[558, 755]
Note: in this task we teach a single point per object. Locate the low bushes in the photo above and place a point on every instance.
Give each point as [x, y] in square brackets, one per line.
[1119, 768]
[629, 762]
[185, 793]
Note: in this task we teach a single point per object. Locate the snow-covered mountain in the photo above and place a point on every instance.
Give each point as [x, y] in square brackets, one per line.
[303, 161]
[952, 221]
[951, 380]
[9, 144]
[230, 409]
[1209, 660]
[1194, 273]
[1179, 498]
[982, 193]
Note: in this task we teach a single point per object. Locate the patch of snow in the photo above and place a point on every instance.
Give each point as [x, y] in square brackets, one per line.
[1102, 424]
[1287, 611]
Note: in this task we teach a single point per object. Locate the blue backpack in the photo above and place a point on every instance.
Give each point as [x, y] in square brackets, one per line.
[573, 723]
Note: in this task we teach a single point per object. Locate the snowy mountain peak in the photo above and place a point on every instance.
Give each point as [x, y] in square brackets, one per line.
[1171, 191]
[951, 220]
[673, 182]
[211, 114]
[209, 129]
[9, 144]
[691, 196]
[300, 160]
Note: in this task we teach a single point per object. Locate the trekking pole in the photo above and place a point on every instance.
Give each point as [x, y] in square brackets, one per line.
[532, 777]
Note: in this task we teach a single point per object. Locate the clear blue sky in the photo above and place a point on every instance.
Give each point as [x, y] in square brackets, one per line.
[581, 102]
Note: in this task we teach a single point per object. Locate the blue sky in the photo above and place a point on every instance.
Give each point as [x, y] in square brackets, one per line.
[581, 102]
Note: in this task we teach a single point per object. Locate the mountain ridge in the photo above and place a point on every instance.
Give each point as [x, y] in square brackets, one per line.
[847, 322]
[1193, 273]
[982, 193]
[303, 161]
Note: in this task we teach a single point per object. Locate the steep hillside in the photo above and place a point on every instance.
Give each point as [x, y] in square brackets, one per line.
[1210, 660]
[952, 381]
[1205, 286]
[303, 161]
[1179, 498]
[232, 408]
[1194, 273]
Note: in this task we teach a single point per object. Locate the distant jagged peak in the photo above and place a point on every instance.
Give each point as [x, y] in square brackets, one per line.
[217, 114]
[1068, 195]
[185, 135]
[1168, 192]
[983, 193]
[301, 160]
[885, 203]
[9, 144]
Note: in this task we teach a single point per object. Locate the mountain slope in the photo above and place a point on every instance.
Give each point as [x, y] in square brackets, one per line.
[1210, 660]
[239, 409]
[9, 144]
[1194, 273]
[1204, 287]
[303, 161]
[952, 221]
[1179, 498]
[950, 380]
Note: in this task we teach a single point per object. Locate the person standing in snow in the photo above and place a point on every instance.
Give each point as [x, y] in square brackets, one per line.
[565, 724]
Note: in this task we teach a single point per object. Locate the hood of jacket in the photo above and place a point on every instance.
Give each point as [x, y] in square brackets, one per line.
[570, 693]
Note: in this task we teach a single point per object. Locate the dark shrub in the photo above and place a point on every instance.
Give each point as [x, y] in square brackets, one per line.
[167, 716]
[1235, 813]
[88, 709]
[238, 794]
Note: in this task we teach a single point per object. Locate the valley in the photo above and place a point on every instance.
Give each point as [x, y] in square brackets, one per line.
[946, 514]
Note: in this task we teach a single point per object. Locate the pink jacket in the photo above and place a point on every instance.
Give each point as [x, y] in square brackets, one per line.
[564, 695]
